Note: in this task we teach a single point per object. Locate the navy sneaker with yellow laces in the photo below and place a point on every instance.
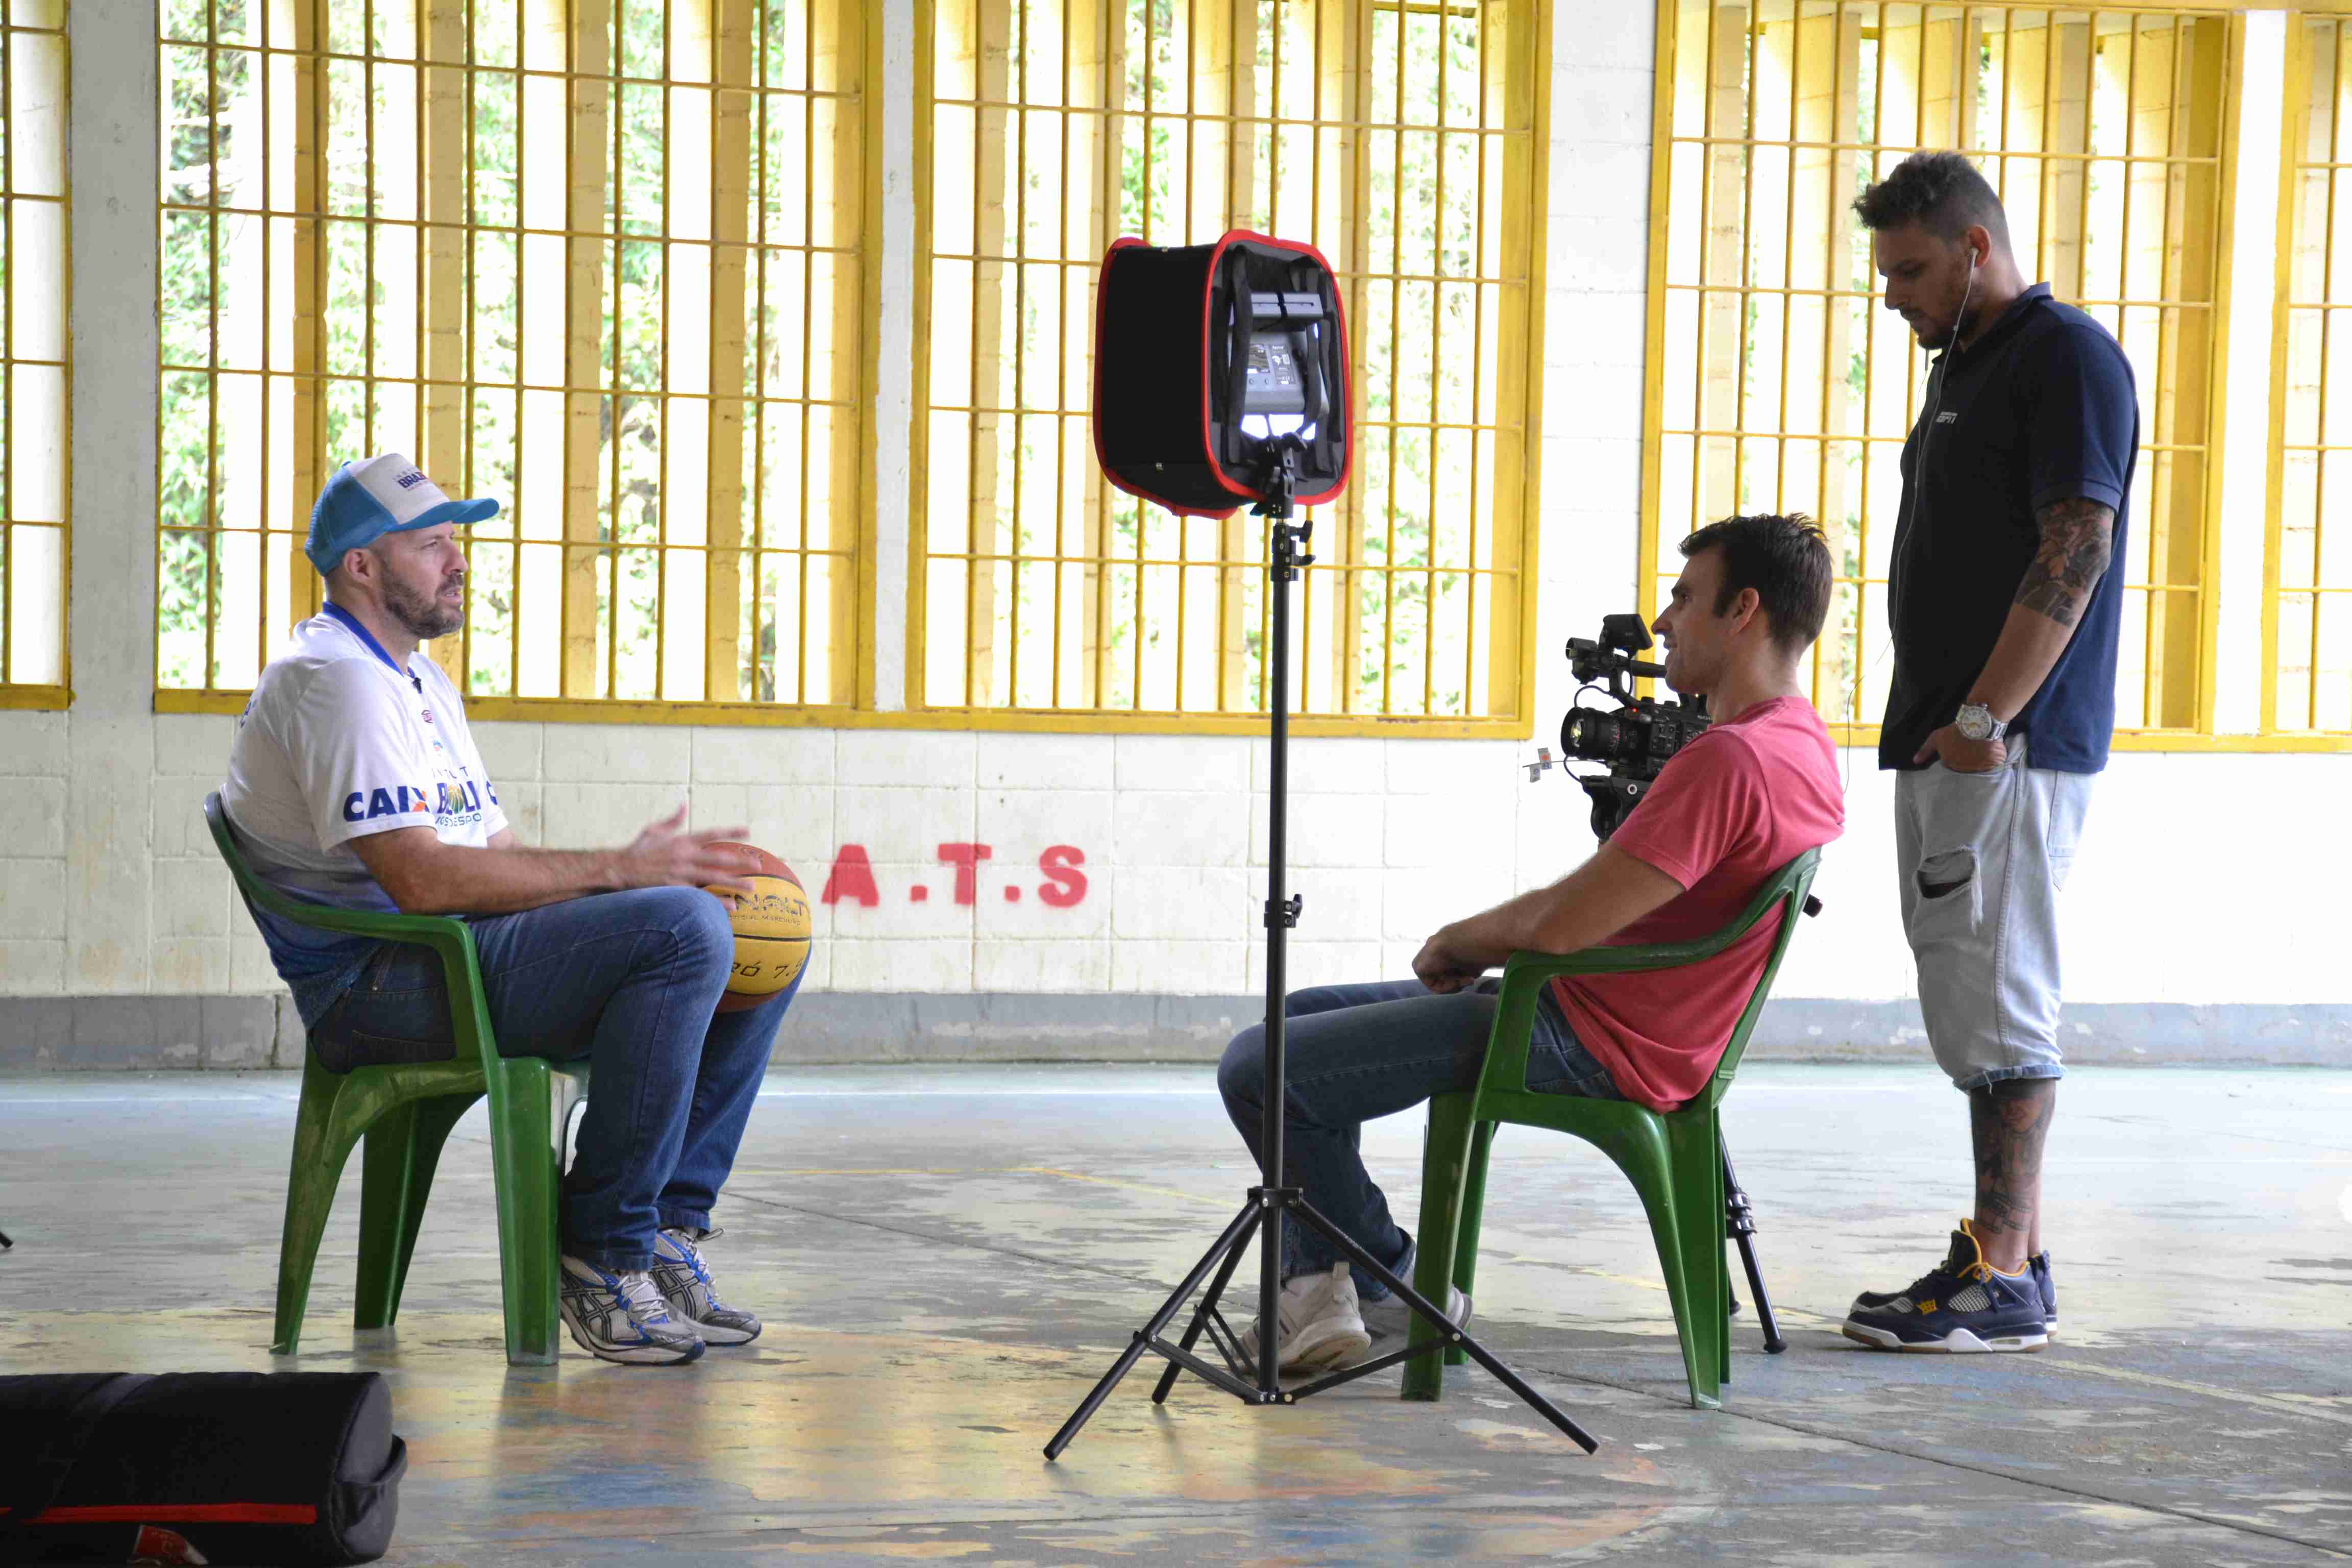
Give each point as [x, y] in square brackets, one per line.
[1963, 1305]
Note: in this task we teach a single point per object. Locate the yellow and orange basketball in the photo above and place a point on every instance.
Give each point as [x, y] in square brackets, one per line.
[772, 931]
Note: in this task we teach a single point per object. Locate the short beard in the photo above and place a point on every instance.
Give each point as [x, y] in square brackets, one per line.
[424, 618]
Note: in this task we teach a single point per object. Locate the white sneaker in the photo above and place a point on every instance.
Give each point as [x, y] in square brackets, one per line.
[1389, 1317]
[621, 1317]
[1320, 1326]
[683, 1277]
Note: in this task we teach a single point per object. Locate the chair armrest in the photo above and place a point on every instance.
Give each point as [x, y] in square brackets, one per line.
[448, 938]
[359, 923]
[446, 935]
[1525, 974]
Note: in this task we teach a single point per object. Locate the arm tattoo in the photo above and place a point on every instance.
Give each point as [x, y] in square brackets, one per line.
[2077, 537]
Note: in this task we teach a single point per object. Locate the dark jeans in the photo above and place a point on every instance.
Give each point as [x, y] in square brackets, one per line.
[1355, 1052]
[630, 981]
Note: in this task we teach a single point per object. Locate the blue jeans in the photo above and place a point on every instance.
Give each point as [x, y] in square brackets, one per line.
[1355, 1052]
[629, 981]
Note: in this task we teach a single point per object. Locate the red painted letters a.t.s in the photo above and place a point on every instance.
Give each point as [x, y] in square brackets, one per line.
[852, 878]
[966, 859]
[1070, 885]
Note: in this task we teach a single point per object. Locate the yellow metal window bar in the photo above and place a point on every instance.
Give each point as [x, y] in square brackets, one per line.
[1776, 385]
[34, 376]
[1405, 139]
[601, 260]
[2307, 618]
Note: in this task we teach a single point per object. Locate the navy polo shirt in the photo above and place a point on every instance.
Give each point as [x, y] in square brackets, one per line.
[2041, 408]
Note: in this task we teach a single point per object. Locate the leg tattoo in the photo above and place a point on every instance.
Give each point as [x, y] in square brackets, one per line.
[2010, 1120]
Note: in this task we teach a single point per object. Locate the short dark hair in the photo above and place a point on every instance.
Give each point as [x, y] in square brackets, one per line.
[1941, 191]
[1785, 559]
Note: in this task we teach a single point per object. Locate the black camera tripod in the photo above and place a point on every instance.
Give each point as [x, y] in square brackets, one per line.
[1739, 1225]
[1255, 1380]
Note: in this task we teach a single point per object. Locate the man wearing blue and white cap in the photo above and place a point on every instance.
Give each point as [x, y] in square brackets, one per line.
[354, 781]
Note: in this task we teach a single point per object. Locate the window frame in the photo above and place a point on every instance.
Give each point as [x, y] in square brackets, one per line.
[2202, 696]
[854, 632]
[57, 695]
[1526, 225]
[2296, 106]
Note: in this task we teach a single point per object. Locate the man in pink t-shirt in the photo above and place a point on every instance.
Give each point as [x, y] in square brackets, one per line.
[1755, 790]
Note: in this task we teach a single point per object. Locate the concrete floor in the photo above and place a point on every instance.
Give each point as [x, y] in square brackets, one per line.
[947, 1261]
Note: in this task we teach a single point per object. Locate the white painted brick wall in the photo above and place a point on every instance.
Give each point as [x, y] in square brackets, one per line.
[32, 899]
[617, 753]
[33, 818]
[765, 757]
[35, 762]
[36, 968]
[36, 746]
[1401, 837]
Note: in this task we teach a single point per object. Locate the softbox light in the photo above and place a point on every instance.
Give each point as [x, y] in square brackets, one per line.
[1214, 364]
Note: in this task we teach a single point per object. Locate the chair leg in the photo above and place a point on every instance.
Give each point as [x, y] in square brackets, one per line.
[326, 1125]
[525, 1160]
[1474, 1211]
[1445, 1171]
[402, 1149]
[1697, 1181]
[1718, 1254]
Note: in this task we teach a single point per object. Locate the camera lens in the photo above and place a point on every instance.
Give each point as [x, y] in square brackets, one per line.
[1590, 736]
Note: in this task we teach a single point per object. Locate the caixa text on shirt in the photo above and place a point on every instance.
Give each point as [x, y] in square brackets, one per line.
[446, 801]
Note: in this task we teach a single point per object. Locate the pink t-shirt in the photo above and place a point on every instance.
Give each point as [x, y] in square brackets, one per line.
[1732, 808]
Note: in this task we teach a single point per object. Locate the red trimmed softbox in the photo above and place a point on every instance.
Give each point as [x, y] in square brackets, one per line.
[1205, 357]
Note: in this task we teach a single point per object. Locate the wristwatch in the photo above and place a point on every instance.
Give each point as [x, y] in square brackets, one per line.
[1975, 722]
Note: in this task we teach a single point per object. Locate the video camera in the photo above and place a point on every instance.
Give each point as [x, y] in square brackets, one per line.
[1635, 739]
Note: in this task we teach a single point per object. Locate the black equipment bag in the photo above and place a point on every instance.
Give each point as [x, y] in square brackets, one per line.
[297, 1468]
[1172, 397]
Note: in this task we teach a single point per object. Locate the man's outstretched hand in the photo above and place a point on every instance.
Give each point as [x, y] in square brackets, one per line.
[666, 856]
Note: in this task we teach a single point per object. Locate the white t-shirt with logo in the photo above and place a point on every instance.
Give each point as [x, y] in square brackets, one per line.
[337, 743]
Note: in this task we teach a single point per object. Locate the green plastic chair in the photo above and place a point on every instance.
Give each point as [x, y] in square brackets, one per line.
[405, 1112]
[1674, 1161]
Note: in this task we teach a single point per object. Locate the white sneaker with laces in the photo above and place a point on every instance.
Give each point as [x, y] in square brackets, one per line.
[1319, 1323]
[683, 1277]
[621, 1317]
[1389, 1318]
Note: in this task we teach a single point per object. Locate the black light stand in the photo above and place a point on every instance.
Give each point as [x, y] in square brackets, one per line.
[1270, 1201]
[1739, 1223]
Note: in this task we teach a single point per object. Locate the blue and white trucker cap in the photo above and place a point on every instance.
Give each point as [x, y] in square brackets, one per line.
[376, 496]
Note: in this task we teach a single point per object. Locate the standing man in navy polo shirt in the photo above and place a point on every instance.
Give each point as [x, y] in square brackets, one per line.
[2004, 616]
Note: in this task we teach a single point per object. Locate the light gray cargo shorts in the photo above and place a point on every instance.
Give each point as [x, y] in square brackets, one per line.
[1983, 857]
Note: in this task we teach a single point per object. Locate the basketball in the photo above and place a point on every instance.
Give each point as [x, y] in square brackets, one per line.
[772, 931]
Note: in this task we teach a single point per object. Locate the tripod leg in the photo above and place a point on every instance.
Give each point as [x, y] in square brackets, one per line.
[1222, 1250]
[1447, 1328]
[1739, 1223]
[1208, 1305]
